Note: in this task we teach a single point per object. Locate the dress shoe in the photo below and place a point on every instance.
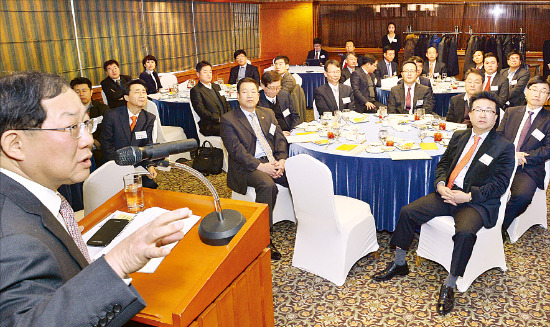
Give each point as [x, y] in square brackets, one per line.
[275, 255]
[446, 300]
[391, 271]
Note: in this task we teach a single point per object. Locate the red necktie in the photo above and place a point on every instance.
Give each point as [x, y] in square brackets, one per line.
[524, 131]
[133, 124]
[488, 85]
[463, 162]
[68, 216]
[408, 100]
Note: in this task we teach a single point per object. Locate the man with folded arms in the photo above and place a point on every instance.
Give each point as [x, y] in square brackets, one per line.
[48, 278]
[517, 80]
[333, 95]
[257, 149]
[243, 68]
[272, 97]
[386, 67]
[349, 67]
[363, 83]
[494, 81]
[529, 128]
[472, 175]
[433, 68]
[405, 98]
[317, 52]
[459, 106]
[112, 84]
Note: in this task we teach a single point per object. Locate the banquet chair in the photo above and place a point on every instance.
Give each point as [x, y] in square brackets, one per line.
[333, 231]
[315, 112]
[436, 243]
[167, 80]
[298, 79]
[283, 210]
[104, 97]
[102, 184]
[536, 213]
[216, 141]
[347, 82]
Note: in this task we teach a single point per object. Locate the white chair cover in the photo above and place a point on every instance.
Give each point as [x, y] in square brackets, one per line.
[347, 82]
[436, 244]
[163, 134]
[216, 141]
[315, 111]
[298, 79]
[104, 97]
[168, 80]
[284, 210]
[536, 213]
[333, 231]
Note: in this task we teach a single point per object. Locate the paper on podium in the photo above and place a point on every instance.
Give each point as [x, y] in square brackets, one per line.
[409, 155]
[136, 223]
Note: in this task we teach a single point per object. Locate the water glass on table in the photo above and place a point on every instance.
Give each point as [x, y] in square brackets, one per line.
[133, 190]
[382, 135]
[382, 112]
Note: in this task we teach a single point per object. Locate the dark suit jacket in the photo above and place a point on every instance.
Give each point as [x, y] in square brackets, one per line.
[396, 100]
[382, 70]
[439, 68]
[539, 151]
[44, 274]
[251, 71]
[113, 92]
[346, 74]
[325, 101]
[486, 182]
[208, 109]
[148, 79]
[240, 141]
[116, 132]
[457, 107]
[363, 89]
[323, 56]
[501, 82]
[423, 81]
[516, 95]
[285, 102]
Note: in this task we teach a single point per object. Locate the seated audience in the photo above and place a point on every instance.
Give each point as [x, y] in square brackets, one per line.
[272, 97]
[112, 84]
[243, 68]
[349, 67]
[433, 68]
[386, 67]
[477, 57]
[529, 128]
[317, 52]
[150, 75]
[517, 80]
[405, 98]
[282, 64]
[363, 83]
[333, 95]
[83, 88]
[459, 107]
[208, 101]
[257, 149]
[495, 81]
[130, 125]
[469, 190]
[350, 48]
[419, 67]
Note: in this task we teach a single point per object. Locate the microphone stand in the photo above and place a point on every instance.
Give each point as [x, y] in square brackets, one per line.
[218, 227]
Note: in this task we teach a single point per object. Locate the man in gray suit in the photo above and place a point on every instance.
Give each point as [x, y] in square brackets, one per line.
[406, 97]
[349, 67]
[272, 97]
[495, 82]
[333, 95]
[459, 106]
[47, 277]
[363, 83]
[517, 80]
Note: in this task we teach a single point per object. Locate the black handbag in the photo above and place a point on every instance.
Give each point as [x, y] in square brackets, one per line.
[209, 159]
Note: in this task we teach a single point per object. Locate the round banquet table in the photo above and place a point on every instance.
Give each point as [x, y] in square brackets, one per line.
[386, 185]
[312, 78]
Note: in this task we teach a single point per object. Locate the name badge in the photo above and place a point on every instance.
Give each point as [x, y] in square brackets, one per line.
[222, 93]
[346, 100]
[486, 159]
[286, 113]
[538, 134]
[272, 129]
[322, 56]
[393, 40]
[141, 135]
[419, 102]
[494, 87]
[513, 82]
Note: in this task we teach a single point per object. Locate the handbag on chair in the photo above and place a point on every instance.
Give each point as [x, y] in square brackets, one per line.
[209, 159]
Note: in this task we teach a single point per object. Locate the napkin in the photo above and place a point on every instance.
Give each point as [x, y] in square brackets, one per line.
[428, 146]
[409, 155]
[346, 147]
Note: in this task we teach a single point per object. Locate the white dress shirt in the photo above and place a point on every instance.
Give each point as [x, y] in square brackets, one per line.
[459, 181]
[336, 93]
[252, 116]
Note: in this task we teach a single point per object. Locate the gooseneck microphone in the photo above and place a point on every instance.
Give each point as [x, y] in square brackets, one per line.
[132, 155]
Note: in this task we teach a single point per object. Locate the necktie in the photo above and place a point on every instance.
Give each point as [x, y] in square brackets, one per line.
[488, 85]
[68, 216]
[466, 110]
[316, 55]
[463, 162]
[432, 70]
[118, 83]
[524, 131]
[408, 100]
[389, 70]
[261, 138]
[133, 124]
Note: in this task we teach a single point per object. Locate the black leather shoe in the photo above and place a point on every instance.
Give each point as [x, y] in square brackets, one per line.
[275, 255]
[391, 271]
[446, 300]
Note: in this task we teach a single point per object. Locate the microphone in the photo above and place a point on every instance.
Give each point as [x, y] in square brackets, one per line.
[132, 155]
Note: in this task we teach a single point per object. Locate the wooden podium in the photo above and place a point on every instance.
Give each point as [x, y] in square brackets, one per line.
[202, 285]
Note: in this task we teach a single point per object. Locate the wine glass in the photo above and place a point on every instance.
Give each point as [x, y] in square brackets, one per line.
[191, 84]
[345, 115]
[220, 81]
[444, 75]
[382, 135]
[422, 134]
[382, 112]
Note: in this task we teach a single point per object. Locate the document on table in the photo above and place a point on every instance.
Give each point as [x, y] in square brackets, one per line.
[136, 223]
[409, 155]
[303, 138]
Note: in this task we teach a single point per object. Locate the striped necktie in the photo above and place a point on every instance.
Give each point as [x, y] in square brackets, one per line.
[67, 214]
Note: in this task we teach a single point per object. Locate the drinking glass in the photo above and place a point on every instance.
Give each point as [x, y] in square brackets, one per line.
[444, 75]
[422, 134]
[382, 134]
[133, 189]
[191, 83]
[382, 112]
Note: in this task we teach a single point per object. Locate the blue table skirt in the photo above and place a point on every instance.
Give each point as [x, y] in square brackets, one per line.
[442, 100]
[384, 184]
[311, 81]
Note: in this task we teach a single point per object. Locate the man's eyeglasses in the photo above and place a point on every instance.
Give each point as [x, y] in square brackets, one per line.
[541, 92]
[409, 71]
[75, 130]
[274, 88]
[485, 111]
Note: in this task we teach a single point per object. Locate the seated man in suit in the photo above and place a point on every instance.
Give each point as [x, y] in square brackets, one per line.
[208, 101]
[112, 84]
[333, 95]
[317, 52]
[477, 58]
[387, 67]
[130, 125]
[149, 75]
[350, 48]
[433, 68]
[405, 98]
[349, 67]
[460, 103]
[528, 127]
[472, 175]
[272, 97]
[419, 67]
[83, 88]
[494, 81]
[517, 80]
[256, 147]
[282, 64]
[243, 69]
[48, 278]
[363, 84]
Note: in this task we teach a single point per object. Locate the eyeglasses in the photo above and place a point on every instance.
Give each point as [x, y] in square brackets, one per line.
[75, 130]
[409, 71]
[273, 88]
[485, 111]
[541, 92]
[473, 82]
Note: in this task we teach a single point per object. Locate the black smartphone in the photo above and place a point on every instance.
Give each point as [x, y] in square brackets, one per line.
[108, 232]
